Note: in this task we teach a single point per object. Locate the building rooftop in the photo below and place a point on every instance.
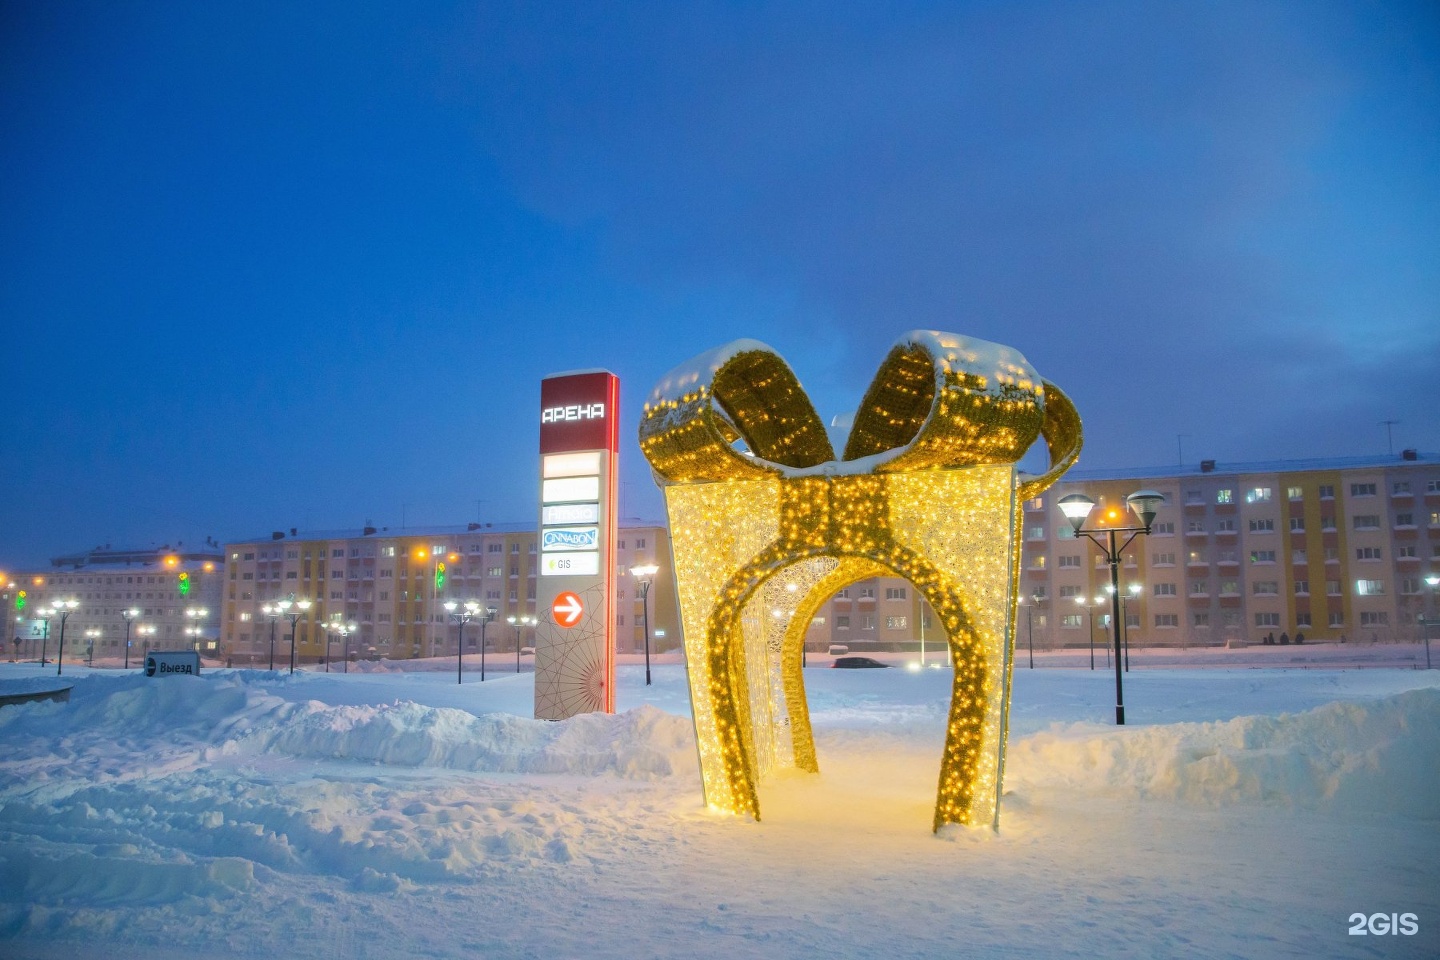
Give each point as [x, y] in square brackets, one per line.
[1408, 458]
[106, 556]
[444, 530]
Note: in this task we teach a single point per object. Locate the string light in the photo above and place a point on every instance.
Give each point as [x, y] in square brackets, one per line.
[927, 491]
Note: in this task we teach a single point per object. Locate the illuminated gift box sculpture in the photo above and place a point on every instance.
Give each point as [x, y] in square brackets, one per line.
[763, 534]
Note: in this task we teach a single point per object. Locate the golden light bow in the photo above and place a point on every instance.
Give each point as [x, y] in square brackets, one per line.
[766, 524]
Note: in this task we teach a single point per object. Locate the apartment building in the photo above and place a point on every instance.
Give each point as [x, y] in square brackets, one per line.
[1334, 549]
[393, 586]
[175, 595]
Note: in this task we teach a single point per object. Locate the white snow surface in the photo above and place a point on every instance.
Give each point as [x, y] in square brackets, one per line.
[394, 813]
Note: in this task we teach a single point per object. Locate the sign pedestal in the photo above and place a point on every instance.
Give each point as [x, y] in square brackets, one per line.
[574, 641]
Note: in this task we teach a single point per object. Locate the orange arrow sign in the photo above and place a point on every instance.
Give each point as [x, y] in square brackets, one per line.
[567, 609]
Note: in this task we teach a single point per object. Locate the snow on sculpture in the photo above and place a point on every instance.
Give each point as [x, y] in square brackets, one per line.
[766, 524]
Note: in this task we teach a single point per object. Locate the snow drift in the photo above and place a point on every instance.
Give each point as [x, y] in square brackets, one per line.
[1377, 757]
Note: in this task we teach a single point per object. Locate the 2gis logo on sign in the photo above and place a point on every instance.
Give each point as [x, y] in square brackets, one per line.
[1381, 924]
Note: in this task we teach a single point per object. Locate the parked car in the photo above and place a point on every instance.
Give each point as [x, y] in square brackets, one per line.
[857, 663]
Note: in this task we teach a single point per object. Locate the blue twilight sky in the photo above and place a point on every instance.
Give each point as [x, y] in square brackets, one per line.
[266, 265]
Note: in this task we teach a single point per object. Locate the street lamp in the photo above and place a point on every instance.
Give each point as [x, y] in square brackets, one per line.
[128, 616]
[43, 617]
[63, 609]
[644, 573]
[196, 632]
[91, 635]
[273, 613]
[1076, 507]
[345, 630]
[461, 616]
[1030, 624]
[146, 630]
[1434, 581]
[519, 623]
[1134, 591]
[1090, 613]
[292, 610]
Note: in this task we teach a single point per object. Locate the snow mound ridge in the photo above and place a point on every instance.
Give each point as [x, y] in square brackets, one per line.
[641, 744]
[1375, 757]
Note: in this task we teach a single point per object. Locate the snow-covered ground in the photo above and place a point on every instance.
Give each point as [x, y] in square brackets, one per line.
[1243, 813]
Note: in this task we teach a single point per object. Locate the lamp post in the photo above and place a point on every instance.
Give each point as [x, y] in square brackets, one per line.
[644, 574]
[196, 631]
[1076, 508]
[461, 616]
[128, 616]
[1134, 591]
[1090, 623]
[345, 630]
[273, 613]
[44, 636]
[1030, 626]
[146, 630]
[519, 623]
[1434, 581]
[292, 610]
[63, 609]
[92, 634]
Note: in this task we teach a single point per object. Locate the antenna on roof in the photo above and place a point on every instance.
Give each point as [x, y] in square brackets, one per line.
[1389, 440]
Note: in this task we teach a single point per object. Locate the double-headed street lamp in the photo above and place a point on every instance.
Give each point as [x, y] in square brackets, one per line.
[92, 634]
[196, 632]
[520, 623]
[292, 610]
[345, 630]
[128, 616]
[1076, 508]
[462, 614]
[63, 609]
[644, 574]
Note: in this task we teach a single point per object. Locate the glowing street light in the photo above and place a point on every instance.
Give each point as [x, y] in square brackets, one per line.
[196, 632]
[645, 573]
[345, 630]
[1076, 507]
[520, 623]
[292, 610]
[128, 616]
[1434, 582]
[461, 615]
[63, 609]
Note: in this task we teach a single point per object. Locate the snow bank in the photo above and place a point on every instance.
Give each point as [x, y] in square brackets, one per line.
[185, 721]
[640, 744]
[1369, 757]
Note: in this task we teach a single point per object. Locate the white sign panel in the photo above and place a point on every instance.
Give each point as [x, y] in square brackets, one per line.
[172, 663]
[570, 513]
[572, 465]
[570, 564]
[570, 538]
[567, 489]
